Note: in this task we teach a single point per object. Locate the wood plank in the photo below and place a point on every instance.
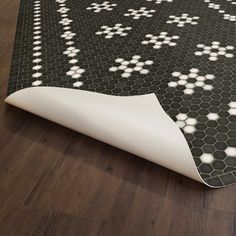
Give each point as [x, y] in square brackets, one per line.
[30, 221]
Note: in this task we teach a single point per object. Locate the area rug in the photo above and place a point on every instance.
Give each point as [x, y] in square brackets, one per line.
[156, 78]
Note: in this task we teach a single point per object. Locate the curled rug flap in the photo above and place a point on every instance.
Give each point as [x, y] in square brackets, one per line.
[137, 124]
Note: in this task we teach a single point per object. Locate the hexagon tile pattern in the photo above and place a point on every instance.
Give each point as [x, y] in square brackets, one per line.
[183, 51]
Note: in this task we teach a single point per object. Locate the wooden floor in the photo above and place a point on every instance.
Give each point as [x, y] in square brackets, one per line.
[54, 181]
